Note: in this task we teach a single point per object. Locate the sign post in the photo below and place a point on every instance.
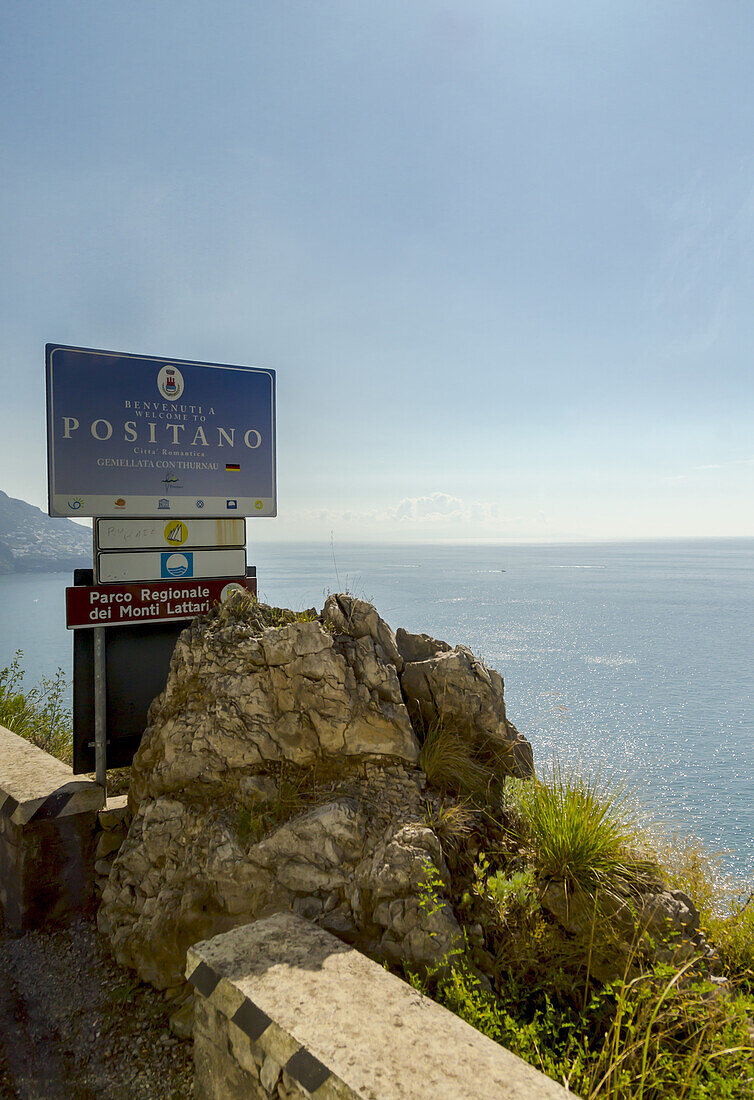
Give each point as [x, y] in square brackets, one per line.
[100, 711]
[167, 456]
[100, 696]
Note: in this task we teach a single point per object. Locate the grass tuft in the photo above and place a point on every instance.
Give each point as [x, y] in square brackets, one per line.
[449, 763]
[582, 831]
[452, 822]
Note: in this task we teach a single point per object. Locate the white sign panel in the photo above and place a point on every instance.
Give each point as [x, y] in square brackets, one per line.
[136, 435]
[166, 565]
[154, 534]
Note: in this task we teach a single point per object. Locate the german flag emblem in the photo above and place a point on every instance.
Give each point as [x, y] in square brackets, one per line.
[232, 466]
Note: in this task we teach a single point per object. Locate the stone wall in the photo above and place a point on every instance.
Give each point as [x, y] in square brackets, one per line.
[47, 830]
[283, 1010]
[111, 830]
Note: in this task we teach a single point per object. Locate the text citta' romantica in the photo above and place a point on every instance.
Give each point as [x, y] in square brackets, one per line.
[189, 435]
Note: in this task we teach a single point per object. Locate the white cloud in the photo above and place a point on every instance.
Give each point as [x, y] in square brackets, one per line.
[433, 515]
[432, 507]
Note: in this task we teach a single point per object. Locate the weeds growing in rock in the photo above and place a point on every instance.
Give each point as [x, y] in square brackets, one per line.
[451, 822]
[599, 1014]
[37, 713]
[295, 790]
[450, 764]
[243, 607]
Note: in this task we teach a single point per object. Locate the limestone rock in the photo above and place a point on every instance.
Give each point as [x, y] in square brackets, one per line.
[109, 841]
[456, 690]
[400, 864]
[114, 814]
[669, 911]
[575, 912]
[261, 702]
[238, 700]
[183, 875]
[668, 917]
[419, 647]
[401, 888]
[359, 619]
[312, 853]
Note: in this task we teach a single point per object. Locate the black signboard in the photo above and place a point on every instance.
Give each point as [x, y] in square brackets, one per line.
[137, 660]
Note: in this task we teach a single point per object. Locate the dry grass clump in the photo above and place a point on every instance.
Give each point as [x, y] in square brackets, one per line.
[733, 935]
[450, 764]
[453, 823]
[455, 763]
[243, 607]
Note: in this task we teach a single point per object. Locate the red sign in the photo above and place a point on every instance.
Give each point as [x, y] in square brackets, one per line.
[148, 601]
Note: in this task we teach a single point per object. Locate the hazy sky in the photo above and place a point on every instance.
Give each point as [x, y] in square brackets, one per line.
[499, 253]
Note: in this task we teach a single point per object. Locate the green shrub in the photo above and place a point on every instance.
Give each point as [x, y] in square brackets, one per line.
[671, 1033]
[36, 714]
[663, 1036]
[510, 896]
[592, 1012]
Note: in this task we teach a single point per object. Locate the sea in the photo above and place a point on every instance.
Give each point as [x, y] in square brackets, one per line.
[633, 662]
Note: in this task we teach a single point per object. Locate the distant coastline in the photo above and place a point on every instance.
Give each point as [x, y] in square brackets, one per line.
[33, 542]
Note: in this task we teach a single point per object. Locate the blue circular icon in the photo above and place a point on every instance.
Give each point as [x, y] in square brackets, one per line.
[177, 565]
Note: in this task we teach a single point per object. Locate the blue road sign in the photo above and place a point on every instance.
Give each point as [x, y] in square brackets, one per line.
[139, 435]
[176, 564]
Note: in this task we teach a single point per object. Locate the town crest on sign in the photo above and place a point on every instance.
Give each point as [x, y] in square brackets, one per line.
[170, 383]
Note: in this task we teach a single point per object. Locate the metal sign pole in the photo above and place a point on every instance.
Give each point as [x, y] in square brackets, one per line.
[100, 712]
[100, 687]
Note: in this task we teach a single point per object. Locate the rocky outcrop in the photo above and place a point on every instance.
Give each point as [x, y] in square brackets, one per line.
[398, 887]
[665, 922]
[454, 689]
[279, 770]
[239, 699]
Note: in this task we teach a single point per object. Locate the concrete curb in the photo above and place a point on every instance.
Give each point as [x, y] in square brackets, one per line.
[285, 1010]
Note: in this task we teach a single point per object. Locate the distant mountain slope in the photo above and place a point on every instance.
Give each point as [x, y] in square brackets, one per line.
[32, 542]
